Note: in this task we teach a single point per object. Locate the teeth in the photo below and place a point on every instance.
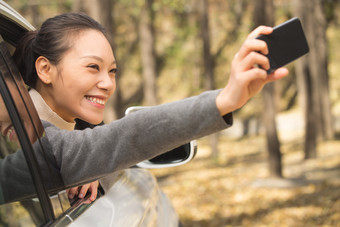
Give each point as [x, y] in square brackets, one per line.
[9, 132]
[95, 100]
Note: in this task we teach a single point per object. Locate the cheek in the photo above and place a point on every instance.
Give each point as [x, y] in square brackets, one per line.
[78, 86]
[73, 76]
[4, 117]
[114, 86]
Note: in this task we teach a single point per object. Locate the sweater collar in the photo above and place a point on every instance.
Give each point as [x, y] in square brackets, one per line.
[47, 114]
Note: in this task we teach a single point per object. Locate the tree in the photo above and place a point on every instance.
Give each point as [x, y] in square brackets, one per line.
[312, 72]
[264, 14]
[148, 53]
[207, 56]
[35, 12]
[208, 62]
[210, 58]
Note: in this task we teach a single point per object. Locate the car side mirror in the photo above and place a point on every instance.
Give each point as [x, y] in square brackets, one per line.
[178, 156]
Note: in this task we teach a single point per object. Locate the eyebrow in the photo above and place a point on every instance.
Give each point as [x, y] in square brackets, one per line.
[98, 58]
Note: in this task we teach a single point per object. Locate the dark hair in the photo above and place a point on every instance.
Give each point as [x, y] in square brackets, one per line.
[52, 40]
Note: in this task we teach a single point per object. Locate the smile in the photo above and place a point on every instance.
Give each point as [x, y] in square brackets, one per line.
[95, 100]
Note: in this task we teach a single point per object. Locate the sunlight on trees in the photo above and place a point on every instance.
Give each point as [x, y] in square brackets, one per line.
[164, 54]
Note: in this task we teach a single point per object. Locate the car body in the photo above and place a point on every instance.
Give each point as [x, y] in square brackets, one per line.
[27, 199]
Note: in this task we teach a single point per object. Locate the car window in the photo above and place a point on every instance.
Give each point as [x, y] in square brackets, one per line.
[15, 179]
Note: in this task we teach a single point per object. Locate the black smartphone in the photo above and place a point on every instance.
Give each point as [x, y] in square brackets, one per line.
[286, 43]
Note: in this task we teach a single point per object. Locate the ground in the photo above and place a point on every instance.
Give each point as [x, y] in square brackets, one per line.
[235, 190]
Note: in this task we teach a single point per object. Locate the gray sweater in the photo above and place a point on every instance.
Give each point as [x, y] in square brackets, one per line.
[82, 156]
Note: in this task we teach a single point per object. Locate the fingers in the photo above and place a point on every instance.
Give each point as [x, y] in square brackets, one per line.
[253, 59]
[278, 74]
[260, 30]
[72, 192]
[83, 190]
[94, 190]
[262, 76]
[255, 74]
[251, 44]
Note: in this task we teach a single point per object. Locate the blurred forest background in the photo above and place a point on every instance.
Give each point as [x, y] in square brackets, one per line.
[279, 164]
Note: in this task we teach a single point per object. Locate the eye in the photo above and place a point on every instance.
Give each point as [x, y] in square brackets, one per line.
[93, 66]
[113, 71]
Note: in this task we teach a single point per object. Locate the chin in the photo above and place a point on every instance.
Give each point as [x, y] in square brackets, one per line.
[93, 120]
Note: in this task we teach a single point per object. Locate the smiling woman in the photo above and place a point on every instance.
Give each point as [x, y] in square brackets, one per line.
[70, 62]
[70, 68]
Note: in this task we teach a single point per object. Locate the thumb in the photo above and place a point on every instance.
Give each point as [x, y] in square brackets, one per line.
[277, 74]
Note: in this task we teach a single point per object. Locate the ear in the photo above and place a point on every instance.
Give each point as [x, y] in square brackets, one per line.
[44, 69]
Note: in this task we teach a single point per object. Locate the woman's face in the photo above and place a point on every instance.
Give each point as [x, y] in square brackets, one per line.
[84, 79]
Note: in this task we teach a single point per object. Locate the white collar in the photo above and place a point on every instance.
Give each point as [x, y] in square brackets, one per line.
[47, 114]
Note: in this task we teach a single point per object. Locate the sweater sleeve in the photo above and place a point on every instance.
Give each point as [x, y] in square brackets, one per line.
[89, 154]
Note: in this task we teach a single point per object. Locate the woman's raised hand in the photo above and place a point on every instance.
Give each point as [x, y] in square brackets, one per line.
[248, 73]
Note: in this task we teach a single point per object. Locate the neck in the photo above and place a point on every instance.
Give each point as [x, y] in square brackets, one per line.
[46, 113]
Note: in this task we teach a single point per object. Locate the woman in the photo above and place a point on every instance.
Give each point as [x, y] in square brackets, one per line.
[51, 68]
[70, 66]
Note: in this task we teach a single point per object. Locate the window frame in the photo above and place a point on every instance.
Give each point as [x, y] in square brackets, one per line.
[6, 81]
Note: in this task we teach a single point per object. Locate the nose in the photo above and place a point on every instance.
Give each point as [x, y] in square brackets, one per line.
[106, 82]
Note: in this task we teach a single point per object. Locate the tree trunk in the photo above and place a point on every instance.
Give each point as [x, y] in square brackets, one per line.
[273, 143]
[208, 62]
[264, 15]
[207, 57]
[310, 114]
[148, 53]
[35, 12]
[319, 67]
[314, 68]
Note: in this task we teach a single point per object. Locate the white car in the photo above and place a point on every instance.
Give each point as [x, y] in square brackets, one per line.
[134, 199]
